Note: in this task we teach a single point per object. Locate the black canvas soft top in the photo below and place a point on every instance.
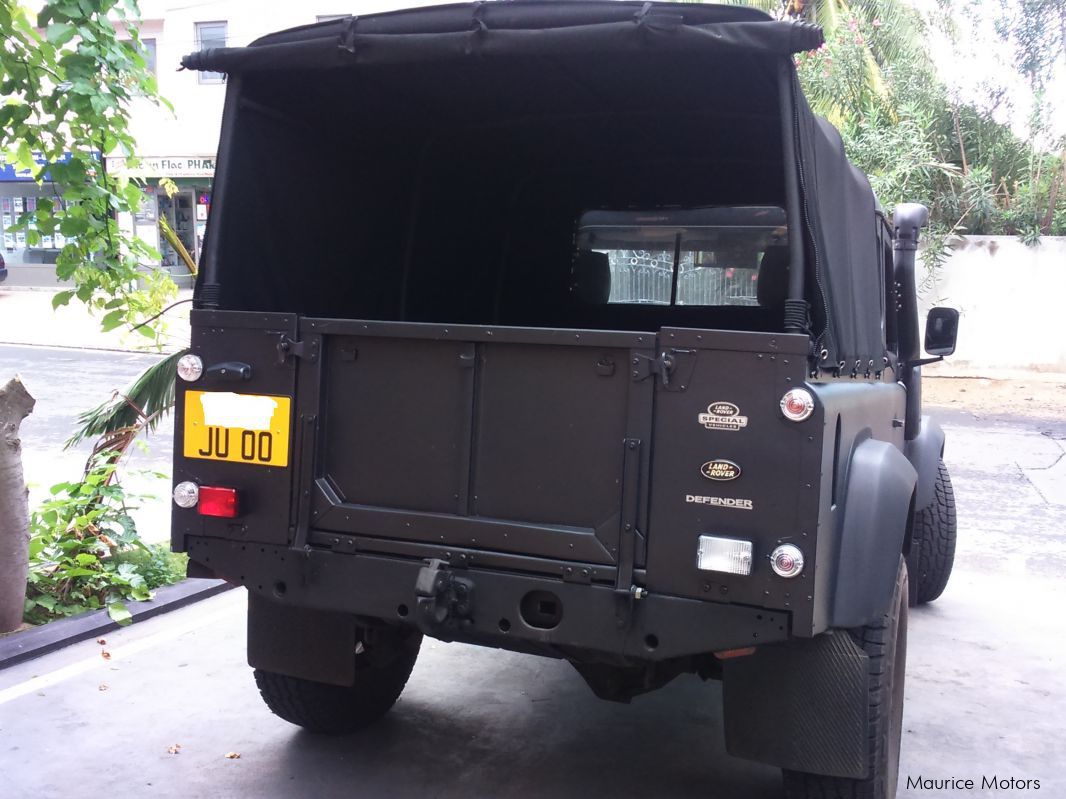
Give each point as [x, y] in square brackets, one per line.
[386, 61]
[510, 28]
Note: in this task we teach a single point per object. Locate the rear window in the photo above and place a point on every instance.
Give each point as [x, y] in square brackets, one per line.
[699, 256]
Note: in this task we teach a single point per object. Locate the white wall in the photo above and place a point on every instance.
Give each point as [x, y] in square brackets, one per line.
[1013, 304]
[192, 129]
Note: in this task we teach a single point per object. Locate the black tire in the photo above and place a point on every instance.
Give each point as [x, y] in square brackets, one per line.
[886, 645]
[335, 709]
[932, 554]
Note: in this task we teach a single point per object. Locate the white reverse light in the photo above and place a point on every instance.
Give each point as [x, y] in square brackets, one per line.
[190, 367]
[729, 555]
[797, 404]
[786, 560]
[186, 494]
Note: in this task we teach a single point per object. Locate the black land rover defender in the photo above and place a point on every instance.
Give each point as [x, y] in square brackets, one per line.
[566, 329]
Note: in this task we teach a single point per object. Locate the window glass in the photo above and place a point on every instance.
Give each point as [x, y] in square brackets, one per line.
[149, 52]
[211, 35]
[26, 247]
[702, 256]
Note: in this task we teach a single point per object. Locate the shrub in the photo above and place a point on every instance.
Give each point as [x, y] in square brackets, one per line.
[86, 554]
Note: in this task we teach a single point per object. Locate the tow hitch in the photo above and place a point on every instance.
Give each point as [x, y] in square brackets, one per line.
[445, 601]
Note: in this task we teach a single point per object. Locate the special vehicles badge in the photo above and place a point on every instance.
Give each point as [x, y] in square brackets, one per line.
[721, 470]
[723, 416]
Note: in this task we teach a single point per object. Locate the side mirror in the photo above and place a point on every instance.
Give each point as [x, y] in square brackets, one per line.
[941, 331]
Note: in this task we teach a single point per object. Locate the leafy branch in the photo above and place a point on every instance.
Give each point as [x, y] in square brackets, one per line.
[68, 76]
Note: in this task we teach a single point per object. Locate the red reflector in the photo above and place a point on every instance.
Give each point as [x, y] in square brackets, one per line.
[725, 654]
[215, 501]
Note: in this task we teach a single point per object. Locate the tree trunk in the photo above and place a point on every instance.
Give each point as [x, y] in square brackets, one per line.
[15, 405]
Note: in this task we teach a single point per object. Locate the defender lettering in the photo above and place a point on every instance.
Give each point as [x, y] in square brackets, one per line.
[721, 502]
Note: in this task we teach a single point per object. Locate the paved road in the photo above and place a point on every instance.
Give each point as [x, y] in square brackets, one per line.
[986, 691]
[65, 383]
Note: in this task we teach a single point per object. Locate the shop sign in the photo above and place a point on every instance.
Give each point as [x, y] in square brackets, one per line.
[167, 166]
[9, 173]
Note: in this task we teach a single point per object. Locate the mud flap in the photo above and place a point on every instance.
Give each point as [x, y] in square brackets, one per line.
[315, 645]
[801, 705]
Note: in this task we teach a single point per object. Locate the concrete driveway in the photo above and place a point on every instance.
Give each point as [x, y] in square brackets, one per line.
[986, 690]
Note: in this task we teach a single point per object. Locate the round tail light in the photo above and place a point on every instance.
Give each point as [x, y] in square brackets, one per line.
[797, 404]
[186, 494]
[190, 367]
[786, 560]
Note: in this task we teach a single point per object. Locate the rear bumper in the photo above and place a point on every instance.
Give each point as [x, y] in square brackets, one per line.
[595, 618]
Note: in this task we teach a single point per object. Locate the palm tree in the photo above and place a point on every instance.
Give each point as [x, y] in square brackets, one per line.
[880, 35]
[116, 422]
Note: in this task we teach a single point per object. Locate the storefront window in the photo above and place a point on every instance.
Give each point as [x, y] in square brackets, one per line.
[23, 247]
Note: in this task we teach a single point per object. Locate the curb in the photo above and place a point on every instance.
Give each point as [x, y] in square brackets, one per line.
[37, 641]
[161, 353]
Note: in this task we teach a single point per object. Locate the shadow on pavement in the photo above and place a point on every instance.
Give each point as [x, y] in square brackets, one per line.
[557, 741]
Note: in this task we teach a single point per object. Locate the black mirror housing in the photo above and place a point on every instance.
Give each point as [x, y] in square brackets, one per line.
[941, 331]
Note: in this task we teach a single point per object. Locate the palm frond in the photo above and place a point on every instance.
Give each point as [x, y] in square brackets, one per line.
[139, 407]
[176, 245]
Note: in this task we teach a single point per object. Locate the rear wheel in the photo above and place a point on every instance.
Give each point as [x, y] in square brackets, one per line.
[885, 642]
[381, 672]
[932, 552]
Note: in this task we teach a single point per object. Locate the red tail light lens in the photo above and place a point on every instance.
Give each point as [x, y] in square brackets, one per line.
[216, 501]
[797, 404]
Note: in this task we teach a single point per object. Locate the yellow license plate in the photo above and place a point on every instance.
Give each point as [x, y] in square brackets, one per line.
[242, 428]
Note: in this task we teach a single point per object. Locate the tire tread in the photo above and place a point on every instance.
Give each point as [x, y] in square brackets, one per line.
[334, 709]
[935, 534]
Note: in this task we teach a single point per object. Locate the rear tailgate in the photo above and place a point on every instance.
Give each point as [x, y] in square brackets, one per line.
[521, 448]
[509, 440]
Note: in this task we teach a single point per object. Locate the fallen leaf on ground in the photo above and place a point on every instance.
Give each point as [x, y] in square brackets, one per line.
[105, 654]
[175, 749]
[233, 755]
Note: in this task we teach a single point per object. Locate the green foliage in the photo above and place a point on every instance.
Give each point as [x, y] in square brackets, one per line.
[916, 142]
[852, 71]
[139, 407]
[156, 564]
[85, 553]
[67, 79]
[1036, 29]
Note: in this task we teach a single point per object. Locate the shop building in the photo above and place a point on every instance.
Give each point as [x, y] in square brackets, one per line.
[184, 209]
[29, 262]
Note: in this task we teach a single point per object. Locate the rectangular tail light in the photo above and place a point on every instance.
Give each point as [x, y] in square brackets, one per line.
[728, 555]
[218, 501]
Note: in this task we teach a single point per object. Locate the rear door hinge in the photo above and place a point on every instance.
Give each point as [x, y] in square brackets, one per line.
[297, 349]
